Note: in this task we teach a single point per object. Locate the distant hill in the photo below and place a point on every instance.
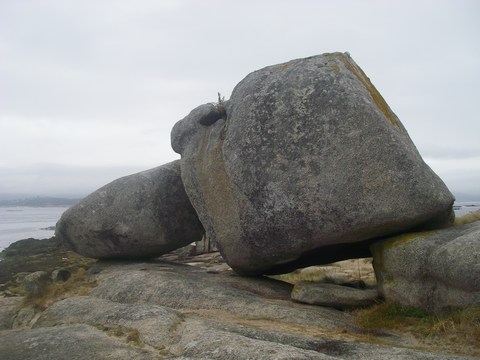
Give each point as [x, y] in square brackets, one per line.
[39, 201]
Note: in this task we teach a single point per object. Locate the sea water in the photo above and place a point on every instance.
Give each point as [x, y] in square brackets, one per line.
[17, 223]
[464, 207]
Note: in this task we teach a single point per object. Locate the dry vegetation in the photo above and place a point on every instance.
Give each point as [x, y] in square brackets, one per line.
[467, 218]
[129, 334]
[27, 256]
[339, 272]
[457, 332]
[78, 284]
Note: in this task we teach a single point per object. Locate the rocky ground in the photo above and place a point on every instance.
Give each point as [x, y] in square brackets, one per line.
[30, 255]
[181, 307]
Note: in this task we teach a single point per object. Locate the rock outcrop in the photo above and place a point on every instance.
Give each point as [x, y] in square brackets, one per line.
[158, 309]
[434, 270]
[30, 255]
[307, 164]
[143, 215]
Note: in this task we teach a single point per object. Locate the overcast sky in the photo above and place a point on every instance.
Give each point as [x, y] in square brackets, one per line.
[90, 89]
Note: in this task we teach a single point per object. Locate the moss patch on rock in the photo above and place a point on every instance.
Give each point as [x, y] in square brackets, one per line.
[31, 255]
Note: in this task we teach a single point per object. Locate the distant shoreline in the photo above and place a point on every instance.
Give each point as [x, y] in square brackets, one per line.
[39, 202]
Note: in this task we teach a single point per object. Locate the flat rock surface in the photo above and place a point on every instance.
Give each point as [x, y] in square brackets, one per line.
[75, 342]
[160, 309]
[189, 288]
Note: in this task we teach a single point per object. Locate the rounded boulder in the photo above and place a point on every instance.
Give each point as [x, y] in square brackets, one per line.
[143, 215]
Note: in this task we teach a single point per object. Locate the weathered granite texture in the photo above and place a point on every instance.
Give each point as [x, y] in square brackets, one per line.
[432, 270]
[143, 215]
[308, 164]
[162, 310]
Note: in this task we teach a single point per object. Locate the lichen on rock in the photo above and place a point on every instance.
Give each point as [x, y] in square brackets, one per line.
[434, 270]
[308, 167]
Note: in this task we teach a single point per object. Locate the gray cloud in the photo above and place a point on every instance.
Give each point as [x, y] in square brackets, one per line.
[59, 180]
[99, 84]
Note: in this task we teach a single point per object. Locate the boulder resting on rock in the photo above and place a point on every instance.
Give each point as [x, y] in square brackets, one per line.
[433, 270]
[143, 215]
[308, 165]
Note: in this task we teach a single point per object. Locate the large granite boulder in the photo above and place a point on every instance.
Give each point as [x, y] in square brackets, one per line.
[143, 215]
[434, 270]
[306, 164]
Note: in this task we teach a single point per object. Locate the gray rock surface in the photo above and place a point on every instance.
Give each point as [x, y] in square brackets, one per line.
[155, 323]
[142, 215]
[158, 309]
[25, 316]
[184, 287]
[9, 306]
[210, 340]
[74, 342]
[431, 270]
[333, 295]
[309, 164]
[215, 340]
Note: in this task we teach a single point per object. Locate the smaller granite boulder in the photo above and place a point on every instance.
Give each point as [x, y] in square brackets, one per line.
[431, 270]
[143, 215]
[333, 295]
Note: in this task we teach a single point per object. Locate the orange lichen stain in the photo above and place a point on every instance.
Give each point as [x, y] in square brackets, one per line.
[377, 98]
[331, 62]
[285, 67]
